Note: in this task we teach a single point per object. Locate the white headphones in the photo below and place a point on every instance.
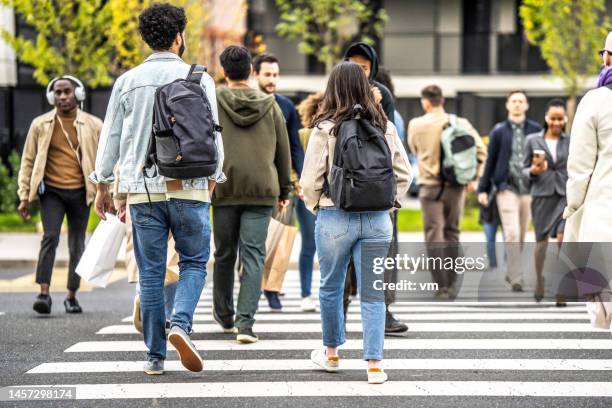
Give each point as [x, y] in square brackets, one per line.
[79, 90]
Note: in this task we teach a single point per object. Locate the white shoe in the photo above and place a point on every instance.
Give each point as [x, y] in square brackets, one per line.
[376, 376]
[331, 364]
[309, 304]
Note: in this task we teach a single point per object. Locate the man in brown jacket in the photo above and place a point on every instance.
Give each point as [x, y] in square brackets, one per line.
[442, 207]
[59, 153]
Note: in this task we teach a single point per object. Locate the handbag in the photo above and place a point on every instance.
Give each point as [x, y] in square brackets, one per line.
[279, 244]
[98, 260]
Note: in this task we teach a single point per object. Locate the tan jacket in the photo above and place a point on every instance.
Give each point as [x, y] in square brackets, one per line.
[34, 157]
[424, 140]
[589, 168]
[320, 156]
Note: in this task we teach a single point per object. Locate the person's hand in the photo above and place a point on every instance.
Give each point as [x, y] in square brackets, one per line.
[122, 213]
[377, 94]
[538, 168]
[24, 209]
[471, 186]
[211, 187]
[282, 204]
[104, 202]
[299, 191]
[483, 199]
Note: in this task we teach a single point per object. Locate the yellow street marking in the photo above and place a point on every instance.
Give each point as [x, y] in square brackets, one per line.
[59, 279]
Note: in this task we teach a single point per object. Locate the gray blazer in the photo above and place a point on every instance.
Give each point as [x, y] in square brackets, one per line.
[554, 179]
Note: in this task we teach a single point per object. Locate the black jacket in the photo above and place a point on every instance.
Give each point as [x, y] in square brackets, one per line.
[499, 152]
[293, 126]
[368, 52]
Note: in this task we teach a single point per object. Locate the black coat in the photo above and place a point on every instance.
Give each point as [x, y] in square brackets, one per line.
[499, 152]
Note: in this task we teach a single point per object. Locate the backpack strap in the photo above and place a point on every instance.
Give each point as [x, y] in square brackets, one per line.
[195, 73]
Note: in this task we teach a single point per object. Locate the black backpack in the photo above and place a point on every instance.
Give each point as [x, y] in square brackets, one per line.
[361, 178]
[182, 144]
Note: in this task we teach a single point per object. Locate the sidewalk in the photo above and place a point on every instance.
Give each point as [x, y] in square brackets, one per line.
[22, 248]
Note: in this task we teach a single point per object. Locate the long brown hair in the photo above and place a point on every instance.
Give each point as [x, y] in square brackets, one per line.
[348, 86]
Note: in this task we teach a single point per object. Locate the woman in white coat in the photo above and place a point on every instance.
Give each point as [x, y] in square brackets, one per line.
[589, 165]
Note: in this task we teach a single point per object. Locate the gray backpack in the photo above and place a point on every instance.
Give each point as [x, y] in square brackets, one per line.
[458, 161]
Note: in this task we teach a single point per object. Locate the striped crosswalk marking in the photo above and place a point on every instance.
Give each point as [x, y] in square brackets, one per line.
[449, 339]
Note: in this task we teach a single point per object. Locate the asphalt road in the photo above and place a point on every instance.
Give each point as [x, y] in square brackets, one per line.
[559, 361]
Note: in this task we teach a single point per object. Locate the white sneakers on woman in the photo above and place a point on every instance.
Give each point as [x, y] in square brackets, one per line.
[309, 304]
[331, 364]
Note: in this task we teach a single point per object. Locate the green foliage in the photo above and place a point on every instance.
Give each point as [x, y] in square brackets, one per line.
[569, 34]
[71, 38]
[8, 183]
[325, 26]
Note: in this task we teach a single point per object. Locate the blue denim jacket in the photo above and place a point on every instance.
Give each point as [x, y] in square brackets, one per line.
[129, 118]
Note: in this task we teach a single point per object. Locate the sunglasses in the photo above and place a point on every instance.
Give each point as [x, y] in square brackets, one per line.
[601, 52]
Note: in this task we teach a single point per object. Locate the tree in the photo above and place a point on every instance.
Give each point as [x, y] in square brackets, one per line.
[569, 33]
[71, 38]
[131, 50]
[325, 26]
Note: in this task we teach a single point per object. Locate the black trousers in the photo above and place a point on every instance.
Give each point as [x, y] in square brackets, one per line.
[54, 204]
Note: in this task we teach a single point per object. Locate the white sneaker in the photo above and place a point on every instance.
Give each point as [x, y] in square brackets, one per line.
[331, 364]
[309, 304]
[376, 376]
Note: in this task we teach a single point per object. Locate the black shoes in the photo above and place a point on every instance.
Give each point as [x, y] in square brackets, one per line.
[273, 301]
[42, 304]
[72, 306]
[246, 336]
[394, 327]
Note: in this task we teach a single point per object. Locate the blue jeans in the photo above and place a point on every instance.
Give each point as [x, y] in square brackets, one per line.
[306, 219]
[490, 230]
[189, 222]
[338, 235]
[169, 293]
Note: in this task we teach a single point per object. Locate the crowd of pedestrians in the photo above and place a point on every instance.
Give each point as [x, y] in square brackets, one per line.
[340, 159]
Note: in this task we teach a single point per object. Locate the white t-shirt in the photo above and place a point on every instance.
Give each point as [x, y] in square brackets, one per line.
[552, 146]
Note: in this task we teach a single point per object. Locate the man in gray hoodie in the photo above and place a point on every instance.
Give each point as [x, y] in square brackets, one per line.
[258, 165]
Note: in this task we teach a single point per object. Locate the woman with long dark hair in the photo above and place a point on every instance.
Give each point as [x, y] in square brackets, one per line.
[545, 164]
[339, 233]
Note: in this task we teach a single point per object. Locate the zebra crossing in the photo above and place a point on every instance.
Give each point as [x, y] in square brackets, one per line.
[469, 350]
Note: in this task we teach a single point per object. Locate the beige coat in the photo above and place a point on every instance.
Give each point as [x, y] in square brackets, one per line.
[589, 169]
[320, 156]
[424, 135]
[34, 157]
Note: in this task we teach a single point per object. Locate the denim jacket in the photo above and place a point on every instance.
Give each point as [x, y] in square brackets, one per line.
[128, 123]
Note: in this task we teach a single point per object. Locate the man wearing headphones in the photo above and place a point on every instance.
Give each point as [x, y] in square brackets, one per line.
[59, 153]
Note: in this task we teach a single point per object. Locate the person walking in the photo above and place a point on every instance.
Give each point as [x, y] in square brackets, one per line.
[267, 72]
[546, 166]
[307, 110]
[365, 56]
[258, 169]
[339, 233]
[58, 155]
[441, 202]
[160, 205]
[589, 165]
[504, 172]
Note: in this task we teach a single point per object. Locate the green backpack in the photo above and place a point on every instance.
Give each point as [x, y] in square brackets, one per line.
[457, 154]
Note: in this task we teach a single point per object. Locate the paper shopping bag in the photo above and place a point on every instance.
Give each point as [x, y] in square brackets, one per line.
[278, 253]
[100, 255]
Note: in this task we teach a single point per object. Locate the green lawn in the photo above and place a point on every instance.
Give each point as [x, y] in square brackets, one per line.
[408, 221]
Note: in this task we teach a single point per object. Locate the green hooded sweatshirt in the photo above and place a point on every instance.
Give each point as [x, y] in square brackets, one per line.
[257, 157]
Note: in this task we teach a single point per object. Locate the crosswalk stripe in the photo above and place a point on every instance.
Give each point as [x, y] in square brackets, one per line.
[339, 389]
[411, 317]
[414, 327]
[348, 364]
[353, 344]
[207, 302]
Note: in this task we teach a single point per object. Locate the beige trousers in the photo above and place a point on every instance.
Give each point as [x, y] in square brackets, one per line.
[515, 214]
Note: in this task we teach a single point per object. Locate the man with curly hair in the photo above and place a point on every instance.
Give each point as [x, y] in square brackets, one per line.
[180, 206]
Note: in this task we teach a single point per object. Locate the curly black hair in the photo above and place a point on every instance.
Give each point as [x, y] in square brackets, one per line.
[159, 24]
[236, 62]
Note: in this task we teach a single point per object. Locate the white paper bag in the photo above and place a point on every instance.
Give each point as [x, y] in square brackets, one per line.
[98, 260]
